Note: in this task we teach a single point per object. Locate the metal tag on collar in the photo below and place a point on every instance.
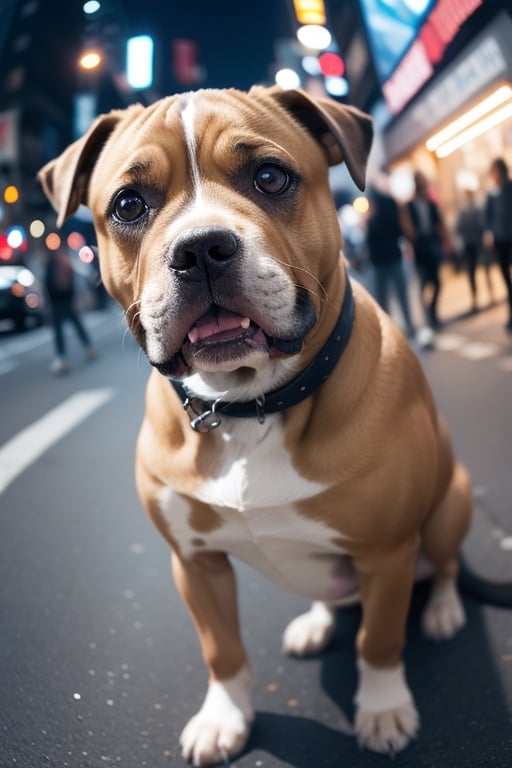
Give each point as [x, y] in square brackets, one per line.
[203, 418]
[260, 409]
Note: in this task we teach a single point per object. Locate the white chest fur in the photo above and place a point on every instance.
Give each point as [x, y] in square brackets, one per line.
[255, 492]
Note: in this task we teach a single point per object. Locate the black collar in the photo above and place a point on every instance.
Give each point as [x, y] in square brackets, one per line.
[206, 415]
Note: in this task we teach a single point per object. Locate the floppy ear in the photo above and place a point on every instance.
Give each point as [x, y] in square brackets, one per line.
[344, 132]
[65, 180]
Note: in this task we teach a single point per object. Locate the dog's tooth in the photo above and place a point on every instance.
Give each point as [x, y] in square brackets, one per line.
[245, 323]
[193, 335]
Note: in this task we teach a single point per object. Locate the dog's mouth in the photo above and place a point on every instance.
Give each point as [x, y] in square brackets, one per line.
[221, 326]
[223, 340]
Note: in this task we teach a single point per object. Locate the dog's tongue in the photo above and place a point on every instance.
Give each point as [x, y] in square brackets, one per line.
[216, 321]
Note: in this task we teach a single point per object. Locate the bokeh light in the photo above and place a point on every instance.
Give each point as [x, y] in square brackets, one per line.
[86, 254]
[53, 241]
[75, 241]
[314, 36]
[311, 66]
[91, 6]
[15, 237]
[287, 78]
[336, 86]
[11, 194]
[90, 60]
[361, 204]
[37, 228]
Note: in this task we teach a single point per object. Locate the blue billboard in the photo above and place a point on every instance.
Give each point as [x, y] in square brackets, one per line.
[392, 25]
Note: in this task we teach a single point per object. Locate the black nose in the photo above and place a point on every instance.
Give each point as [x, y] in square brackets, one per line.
[207, 249]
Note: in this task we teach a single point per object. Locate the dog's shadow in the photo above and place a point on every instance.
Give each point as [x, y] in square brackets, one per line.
[456, 684]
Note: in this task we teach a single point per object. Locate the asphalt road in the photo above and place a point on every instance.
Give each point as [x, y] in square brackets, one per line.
[99, 663]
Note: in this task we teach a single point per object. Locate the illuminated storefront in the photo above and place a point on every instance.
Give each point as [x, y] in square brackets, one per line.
[450, 120]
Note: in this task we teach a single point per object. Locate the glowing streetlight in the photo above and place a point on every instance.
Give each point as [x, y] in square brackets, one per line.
[90, 60]
[11, 194]
[314, 36]
[287, 79]
[91, 6]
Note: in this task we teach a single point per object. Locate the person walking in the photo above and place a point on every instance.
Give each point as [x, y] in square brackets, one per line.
[383, 234]
[424, 227]
[60, 286]
[498, 225]
[470, 228]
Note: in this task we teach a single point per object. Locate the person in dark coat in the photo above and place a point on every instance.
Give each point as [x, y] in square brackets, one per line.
[383, 234]
[60, 287]
[470, 227]
[498, 226]
[425, 229]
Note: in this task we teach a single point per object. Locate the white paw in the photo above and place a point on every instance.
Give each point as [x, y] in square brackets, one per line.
[386, 718]
[388, 731]
[222, 726]
[310, 632]
[444, 613]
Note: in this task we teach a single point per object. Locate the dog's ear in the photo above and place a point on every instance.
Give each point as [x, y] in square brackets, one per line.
[65, 180]
[344, 132]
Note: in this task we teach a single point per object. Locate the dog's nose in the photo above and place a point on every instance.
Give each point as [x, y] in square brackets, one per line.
[208, 249]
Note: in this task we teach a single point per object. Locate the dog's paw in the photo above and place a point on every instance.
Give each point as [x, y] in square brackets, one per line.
[310, 632]
[388, 731]
[221, 727]
[386, 718]
[444, 613]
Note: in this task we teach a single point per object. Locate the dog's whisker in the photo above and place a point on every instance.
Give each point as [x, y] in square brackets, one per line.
[126, 333]
[308, 273]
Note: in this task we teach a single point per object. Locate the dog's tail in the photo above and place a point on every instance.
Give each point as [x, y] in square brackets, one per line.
[496, 593]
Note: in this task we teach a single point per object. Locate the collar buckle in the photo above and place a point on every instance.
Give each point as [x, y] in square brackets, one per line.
[203, 416]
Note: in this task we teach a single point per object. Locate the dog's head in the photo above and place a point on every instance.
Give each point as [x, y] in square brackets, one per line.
[216, 226]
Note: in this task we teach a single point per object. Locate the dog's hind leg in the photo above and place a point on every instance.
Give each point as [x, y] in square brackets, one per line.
[441, 541]
[311, 631]
[220, 729]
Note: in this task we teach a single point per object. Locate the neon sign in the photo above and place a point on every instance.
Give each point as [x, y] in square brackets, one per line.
[417, 66]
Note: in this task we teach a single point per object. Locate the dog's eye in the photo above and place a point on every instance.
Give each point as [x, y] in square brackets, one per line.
[129, 206]
[271, 179]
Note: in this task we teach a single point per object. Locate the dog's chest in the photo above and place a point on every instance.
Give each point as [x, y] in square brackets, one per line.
[255, 491]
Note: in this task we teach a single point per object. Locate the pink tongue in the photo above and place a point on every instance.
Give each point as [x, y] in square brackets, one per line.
[216, 322]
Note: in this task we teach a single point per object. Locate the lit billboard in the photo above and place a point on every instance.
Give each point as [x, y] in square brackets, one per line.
[392, 25]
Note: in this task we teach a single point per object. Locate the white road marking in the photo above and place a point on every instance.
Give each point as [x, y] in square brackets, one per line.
[473, 350]
[479, 350]
[448, 342]
[29, 444]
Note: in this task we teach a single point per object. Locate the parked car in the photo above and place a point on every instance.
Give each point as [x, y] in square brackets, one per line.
[22, 296]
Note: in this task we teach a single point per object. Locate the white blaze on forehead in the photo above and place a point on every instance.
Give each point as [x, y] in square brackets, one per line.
[188, 118]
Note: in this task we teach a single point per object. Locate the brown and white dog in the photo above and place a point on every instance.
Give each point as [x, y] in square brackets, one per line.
[309, 445]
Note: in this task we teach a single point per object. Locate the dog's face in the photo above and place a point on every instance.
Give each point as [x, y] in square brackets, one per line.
[216, 226]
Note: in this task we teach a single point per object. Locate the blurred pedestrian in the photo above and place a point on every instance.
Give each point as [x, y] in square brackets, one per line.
[60, 286]
[424, 226]
[498, 225]
[470, 228]
[383, 234]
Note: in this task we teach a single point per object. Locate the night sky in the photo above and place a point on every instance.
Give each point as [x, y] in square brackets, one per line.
[235, 37]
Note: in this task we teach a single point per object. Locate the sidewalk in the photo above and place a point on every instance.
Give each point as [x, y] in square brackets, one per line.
[455, 300]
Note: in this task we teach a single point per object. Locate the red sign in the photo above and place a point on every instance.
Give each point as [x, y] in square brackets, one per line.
[185, 66]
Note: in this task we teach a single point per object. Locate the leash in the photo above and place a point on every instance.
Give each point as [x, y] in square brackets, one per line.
[206, 415]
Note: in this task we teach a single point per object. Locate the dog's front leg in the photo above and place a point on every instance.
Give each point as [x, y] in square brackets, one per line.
[386, 718]
[221, 727]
